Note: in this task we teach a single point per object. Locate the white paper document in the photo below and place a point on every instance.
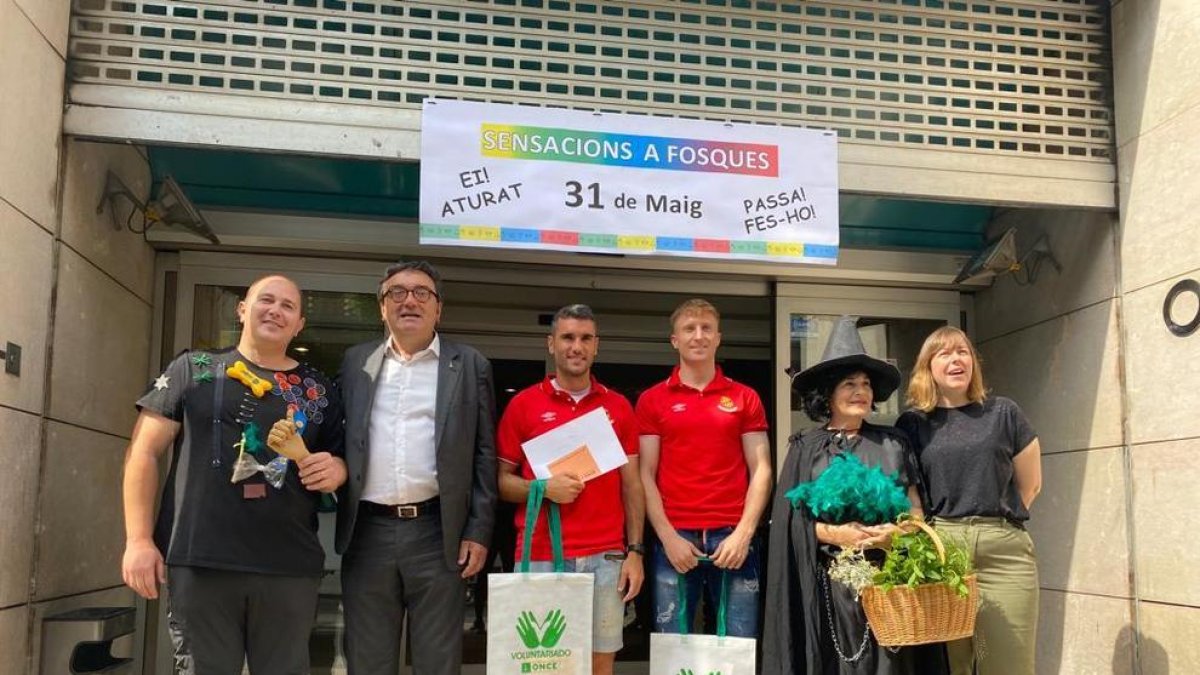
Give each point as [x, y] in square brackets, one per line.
[587, 446]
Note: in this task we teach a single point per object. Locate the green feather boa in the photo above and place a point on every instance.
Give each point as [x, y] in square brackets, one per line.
[849, 491]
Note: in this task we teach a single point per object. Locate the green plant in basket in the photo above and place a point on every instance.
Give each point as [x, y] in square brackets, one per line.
[913, 560]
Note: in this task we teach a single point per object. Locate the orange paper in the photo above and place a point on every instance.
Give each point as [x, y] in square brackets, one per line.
[578, 461]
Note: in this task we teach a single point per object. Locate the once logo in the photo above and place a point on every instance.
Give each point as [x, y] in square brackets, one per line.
[545, 633]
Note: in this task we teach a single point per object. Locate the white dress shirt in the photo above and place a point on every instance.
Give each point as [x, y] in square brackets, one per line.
[401, 455]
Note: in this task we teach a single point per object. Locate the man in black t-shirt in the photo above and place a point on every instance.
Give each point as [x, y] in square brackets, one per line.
[238, 521]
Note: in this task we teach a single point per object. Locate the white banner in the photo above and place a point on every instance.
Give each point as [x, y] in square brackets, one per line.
[541, 178]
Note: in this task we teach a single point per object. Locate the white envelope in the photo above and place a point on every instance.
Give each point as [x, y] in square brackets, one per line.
[587, 446]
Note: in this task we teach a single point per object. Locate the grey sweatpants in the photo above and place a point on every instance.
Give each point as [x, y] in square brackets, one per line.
[225, 619]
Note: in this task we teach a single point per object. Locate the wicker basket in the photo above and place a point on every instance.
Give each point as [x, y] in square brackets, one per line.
[928, 613]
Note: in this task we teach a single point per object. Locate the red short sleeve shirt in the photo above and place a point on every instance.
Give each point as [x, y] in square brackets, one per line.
[595, 521]
[702, 474]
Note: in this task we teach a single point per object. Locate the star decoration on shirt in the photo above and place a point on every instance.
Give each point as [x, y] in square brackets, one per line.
[162, 382]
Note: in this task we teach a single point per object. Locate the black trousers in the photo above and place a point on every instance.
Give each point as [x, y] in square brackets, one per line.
[226, 619]
[393, 568]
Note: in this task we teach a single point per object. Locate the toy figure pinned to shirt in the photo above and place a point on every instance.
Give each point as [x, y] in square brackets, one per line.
[284, 438]
[218, 411]
[285, 432]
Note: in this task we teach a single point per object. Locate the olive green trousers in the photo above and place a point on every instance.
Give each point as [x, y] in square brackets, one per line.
[1006, 625]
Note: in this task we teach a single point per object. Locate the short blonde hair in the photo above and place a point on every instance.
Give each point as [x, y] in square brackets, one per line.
[922, 389]
[694, 306]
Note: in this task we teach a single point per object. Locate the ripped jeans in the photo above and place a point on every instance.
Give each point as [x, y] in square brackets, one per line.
[741, 607]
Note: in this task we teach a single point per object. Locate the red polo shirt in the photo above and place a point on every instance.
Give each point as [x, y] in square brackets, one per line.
[595, 521]
[702, 472]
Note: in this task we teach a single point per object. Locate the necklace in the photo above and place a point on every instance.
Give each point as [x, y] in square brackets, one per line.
[837, 646]
[845, 439]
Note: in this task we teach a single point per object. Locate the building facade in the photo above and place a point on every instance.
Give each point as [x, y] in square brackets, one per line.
[294, 125]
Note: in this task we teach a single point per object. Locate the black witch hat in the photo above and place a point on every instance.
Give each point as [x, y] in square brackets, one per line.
[845, 353]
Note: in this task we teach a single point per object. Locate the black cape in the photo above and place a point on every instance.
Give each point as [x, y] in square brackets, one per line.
[796, 637]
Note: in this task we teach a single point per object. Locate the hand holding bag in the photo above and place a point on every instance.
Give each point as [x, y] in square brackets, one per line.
[683, 654]
[540, 622]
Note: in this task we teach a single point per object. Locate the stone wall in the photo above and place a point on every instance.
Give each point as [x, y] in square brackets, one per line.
[1113, 392]
[76, 295]
[1053, 345]
[1156, 55]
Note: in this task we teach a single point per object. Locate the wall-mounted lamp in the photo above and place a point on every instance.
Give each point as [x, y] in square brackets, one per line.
[999, 257]
[170, 207]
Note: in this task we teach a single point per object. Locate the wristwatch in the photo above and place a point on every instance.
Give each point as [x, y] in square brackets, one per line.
[639, 549]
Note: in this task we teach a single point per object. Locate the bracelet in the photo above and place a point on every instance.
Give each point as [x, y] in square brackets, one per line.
[639, 549]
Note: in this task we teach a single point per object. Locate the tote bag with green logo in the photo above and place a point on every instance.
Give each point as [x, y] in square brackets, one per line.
[683, 654]
[540, 622]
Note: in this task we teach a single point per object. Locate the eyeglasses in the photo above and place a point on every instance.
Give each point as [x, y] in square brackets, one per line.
[399, 293]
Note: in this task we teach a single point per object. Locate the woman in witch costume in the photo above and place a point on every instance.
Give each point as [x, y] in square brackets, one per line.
[841, 486]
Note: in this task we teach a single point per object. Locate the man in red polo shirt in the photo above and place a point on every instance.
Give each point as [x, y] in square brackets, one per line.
[601, 519]
[706, 469]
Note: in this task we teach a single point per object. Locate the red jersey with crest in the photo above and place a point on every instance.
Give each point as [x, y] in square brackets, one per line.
[595, 521]
[702, 472]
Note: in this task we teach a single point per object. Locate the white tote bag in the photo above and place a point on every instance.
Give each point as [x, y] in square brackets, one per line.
[683, 654]
[540, 622]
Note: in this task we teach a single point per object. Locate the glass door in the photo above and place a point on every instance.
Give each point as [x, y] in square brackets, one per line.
[892, 323]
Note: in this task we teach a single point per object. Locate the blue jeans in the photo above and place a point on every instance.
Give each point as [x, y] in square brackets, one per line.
[741, 605]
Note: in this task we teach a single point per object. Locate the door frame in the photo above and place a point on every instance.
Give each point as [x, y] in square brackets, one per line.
[195, 268]
[872, 301]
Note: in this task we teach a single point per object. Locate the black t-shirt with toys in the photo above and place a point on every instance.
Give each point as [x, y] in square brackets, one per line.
[265, 521]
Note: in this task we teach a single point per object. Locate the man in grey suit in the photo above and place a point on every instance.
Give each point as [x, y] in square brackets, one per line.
[417, 510]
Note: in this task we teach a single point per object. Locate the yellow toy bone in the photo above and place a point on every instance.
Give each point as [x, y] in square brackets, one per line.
[240, 372]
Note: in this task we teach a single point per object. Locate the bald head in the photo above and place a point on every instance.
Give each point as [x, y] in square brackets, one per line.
[285, 282]
[270, 314]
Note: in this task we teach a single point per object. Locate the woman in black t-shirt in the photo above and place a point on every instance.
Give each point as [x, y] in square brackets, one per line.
[982, 467]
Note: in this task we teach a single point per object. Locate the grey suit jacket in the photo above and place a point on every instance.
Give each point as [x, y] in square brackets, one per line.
[464, 427]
